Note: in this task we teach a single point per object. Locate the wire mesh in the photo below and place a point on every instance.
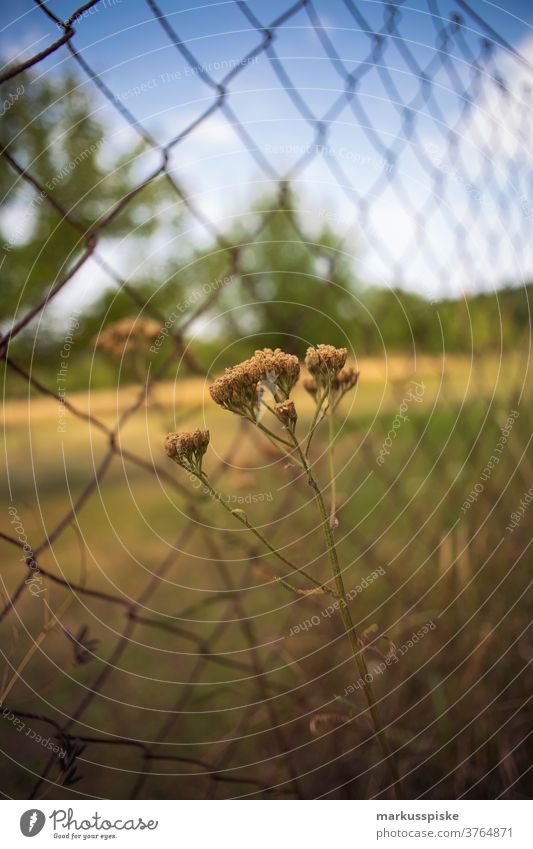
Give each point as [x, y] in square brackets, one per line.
[468, 59]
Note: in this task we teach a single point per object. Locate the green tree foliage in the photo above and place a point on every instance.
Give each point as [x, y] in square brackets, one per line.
[268, 286]
[51, 128]
[302, 289]
[289, 290]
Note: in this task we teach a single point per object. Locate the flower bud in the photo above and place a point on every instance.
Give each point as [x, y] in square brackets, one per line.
[187, 449]
[324, 363]
[286, 413]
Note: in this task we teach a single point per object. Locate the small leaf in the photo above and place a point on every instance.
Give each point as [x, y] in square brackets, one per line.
[368, 632]
[321, 723]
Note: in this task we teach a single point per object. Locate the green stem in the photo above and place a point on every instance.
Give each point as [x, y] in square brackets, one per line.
[271, 434]
[314, 422]
[333, 485]
[278, 442]
[349, 627]
[243, 519]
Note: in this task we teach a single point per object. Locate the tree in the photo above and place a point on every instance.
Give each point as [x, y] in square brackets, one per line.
[50, 127]
[289, 291]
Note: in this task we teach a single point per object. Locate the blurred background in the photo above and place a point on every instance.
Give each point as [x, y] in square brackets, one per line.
[182, 185]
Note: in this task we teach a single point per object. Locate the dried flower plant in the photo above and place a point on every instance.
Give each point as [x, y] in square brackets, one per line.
[241, 390]
[129, 339]
[324, 363]
[188, 449]
[127, 335]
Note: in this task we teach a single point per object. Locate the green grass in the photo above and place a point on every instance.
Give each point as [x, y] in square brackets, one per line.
[460, 685]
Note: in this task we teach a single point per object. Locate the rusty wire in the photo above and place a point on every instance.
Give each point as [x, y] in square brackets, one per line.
[449, 36]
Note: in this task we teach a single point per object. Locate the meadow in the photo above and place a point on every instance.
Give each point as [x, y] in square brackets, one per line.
[352, 177]
[251, 687]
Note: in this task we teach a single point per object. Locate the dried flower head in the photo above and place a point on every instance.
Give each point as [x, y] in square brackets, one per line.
[286, 413]
[278, 370]
[310, 385]
[347, 378]
[187, 449]
[324, 363]
[236, 389]
[127, 335]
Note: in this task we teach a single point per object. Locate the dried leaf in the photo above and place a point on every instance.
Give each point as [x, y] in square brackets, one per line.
[321, 723]
[314, 591]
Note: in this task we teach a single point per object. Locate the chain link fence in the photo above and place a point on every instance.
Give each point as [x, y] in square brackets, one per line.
[467, 223]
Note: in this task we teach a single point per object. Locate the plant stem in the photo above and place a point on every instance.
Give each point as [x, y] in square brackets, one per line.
[270, 433]
[243, 519]
[47, 627]
[315, 422]
[349, 627]
[333, 487]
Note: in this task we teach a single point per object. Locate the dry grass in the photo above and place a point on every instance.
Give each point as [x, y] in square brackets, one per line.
[466, 678]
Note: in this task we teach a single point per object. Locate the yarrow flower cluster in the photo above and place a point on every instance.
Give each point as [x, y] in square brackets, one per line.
[127, 335]
[187, 449]
[329, 373]
[280, 371]
[324, 364]
[236, 389]
[346, 379]
[239, 388]
[286, 413]
[310, 385]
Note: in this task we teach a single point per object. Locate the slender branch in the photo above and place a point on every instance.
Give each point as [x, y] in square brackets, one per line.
[241, 516]
[277, 439]
[333, 486]
[349, 628]
[49, 625]
[315, 421]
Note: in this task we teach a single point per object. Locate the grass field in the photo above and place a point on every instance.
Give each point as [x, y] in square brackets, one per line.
[401, 520]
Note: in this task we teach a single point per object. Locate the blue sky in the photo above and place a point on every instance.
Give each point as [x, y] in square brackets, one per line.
[403, 228]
